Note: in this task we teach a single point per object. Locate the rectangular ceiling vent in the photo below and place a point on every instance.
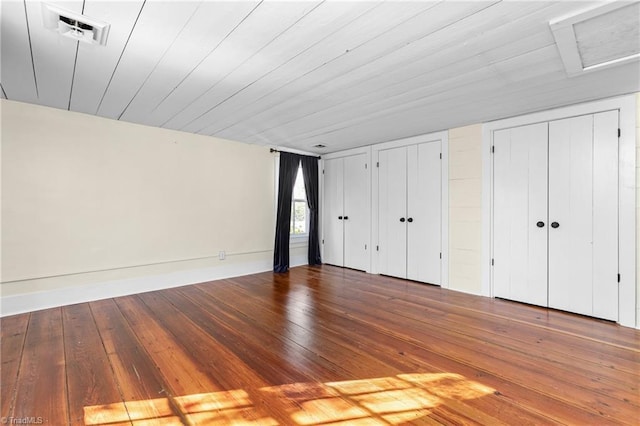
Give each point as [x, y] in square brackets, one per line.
[75, 26]
[598, 38]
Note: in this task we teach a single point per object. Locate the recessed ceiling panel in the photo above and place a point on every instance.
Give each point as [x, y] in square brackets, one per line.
[608, 37]
[600, 37]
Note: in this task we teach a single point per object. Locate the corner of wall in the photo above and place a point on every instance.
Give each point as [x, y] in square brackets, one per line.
[465, 209]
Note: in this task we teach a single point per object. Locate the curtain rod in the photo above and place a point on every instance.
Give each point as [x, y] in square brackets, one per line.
[277, 150]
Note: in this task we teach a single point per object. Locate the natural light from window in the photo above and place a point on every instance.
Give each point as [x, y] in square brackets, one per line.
[299, 209]
[392, 400]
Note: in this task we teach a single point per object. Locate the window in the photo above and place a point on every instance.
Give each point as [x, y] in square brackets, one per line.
[299, 208]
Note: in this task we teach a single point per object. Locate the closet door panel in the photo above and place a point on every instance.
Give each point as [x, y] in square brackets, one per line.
[520, 214]
[392, 208]
[605, 215]
[424, 210]
[333, 206]
[571, 208]
[356, 227]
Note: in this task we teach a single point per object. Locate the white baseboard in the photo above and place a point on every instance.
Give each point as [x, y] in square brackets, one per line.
[465, 291]
[35, 301]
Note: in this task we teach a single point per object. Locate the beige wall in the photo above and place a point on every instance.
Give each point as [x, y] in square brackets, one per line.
[82, 193]
[465, 209]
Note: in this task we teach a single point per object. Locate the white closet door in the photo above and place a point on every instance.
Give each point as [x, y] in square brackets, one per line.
[332, 226]
[423, 211]
[570, 207]
[520, 203]
[356, 217]
[392, 209]
[583, 205]
[605, 215]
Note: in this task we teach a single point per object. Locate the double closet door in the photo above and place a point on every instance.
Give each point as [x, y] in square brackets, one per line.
[555, 216]
[409, 212]
[346, 215]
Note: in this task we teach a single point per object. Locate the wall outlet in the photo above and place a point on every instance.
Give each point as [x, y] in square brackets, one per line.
[222, 255]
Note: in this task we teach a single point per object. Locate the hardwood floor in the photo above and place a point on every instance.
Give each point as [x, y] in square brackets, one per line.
[316, 346]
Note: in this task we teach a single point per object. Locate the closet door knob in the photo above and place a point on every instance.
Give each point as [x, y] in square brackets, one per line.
[540, 224]
[402, 219]
[346, 217]
[410, 220]
[340, 217]
[555, 225]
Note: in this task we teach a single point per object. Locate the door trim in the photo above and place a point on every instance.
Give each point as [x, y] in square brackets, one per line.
[626, 105]
[443, 137]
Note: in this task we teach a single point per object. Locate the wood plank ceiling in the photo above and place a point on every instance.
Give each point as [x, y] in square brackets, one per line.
[297, 74]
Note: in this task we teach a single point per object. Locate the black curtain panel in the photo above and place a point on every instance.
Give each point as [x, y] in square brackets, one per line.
[289, 164]
[311, 186]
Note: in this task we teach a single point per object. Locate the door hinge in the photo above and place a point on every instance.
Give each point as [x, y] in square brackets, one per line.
[365, 246]
[491, 262]
[619, 132]
[322, 171]
[377, 248]
[322, 241]
[365, 165]
[441, 156]
[493, 149]
[618, 277]
[441, 255]
[377, 164]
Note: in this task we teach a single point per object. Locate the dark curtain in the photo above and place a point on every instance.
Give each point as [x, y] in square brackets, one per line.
[310, 175]
[289, 164]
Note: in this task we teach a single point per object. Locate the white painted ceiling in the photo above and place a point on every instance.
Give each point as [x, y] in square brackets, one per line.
[301, 73]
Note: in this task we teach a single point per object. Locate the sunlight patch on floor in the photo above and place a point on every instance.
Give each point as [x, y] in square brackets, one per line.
[158, 409]
[379, 401]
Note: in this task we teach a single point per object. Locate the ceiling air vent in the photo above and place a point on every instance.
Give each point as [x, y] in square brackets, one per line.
[319, 146]
[74, 26]
[601, 37]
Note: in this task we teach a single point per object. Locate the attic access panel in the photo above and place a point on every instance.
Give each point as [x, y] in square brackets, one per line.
[600, 37]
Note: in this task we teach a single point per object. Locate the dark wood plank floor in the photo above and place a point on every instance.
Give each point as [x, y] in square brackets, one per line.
[316, 346]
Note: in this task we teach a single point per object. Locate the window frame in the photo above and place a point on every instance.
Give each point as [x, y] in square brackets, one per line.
[305, 235]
